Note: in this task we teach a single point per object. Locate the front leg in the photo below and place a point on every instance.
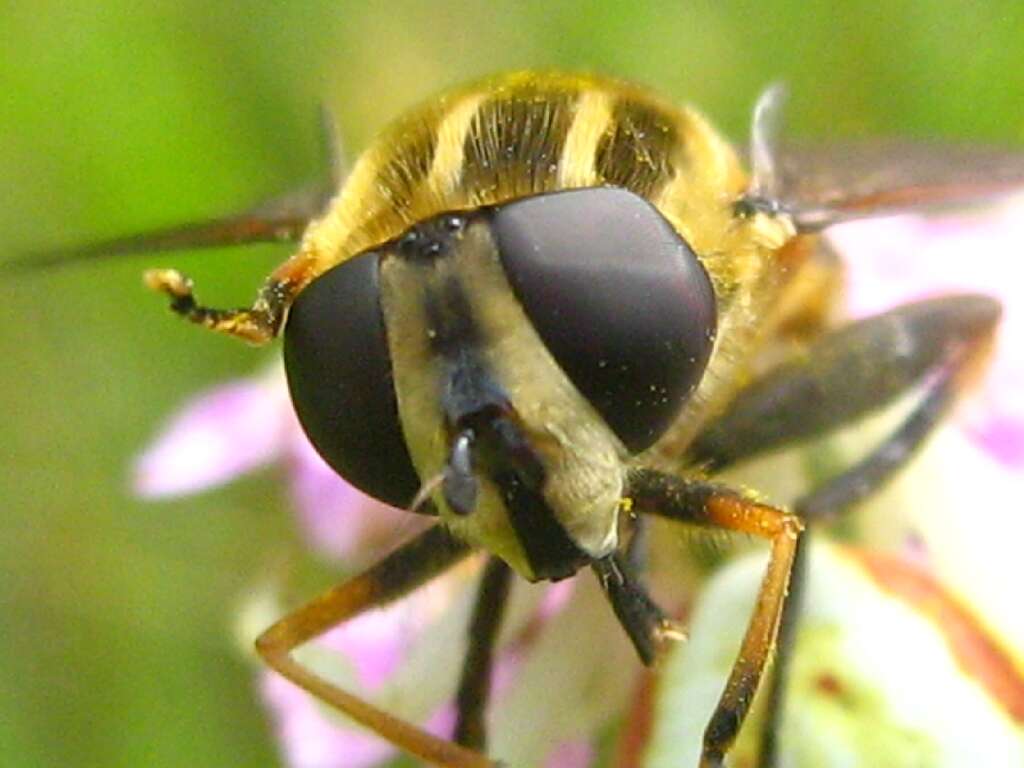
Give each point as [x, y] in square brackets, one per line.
[475, 681]
[647, 626]
[716, 506]
[410, 566]
[257, 324]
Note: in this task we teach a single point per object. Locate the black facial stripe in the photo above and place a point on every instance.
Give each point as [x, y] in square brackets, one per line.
[450, 319]
[473, 402]
[468, 386]
[549, 550]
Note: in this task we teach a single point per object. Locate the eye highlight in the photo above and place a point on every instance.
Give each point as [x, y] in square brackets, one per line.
[618, 297]
[339, 375]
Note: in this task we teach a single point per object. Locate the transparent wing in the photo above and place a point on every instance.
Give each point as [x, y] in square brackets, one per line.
[283, 218]
[823, 185]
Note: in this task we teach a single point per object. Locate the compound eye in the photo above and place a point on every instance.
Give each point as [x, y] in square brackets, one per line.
[339, 375]
[618, 297]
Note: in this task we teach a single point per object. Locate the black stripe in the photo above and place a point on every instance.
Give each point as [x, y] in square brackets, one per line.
[515, 141]
[401, 179]
[473, 399]
[549, 550]
[637, 150]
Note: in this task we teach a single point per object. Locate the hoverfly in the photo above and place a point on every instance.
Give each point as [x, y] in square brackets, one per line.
[532, 311]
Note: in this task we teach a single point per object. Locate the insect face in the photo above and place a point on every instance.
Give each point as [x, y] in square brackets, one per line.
[522, 352]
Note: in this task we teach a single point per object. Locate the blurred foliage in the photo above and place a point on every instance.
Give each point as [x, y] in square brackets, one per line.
[116, 644]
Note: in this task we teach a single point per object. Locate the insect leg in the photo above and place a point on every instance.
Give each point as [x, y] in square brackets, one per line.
[827, 502]
[778, 682]
[645, 623]
[712, 505]
[638, 547]
[257, 324]
[847, 375]
[403, 570]
[281, 219]
[475, 683]
[945, 338]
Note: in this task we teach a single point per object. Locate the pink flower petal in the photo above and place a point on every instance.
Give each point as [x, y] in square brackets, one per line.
[375, 643]
[571, 754]
[337, 519]
[556, 598]
[311, 739]
[1003, 438]
[223, 433]
[902, 258]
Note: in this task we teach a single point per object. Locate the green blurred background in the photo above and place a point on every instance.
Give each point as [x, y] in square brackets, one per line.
[117, 616]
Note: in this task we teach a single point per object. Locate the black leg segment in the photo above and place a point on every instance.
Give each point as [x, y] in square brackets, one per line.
[846, 375]
[475, 683]
[644, 622]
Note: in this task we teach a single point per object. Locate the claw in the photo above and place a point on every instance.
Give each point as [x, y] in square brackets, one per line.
[169, 281]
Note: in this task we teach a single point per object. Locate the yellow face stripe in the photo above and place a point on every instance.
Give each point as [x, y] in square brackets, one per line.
[593, 116]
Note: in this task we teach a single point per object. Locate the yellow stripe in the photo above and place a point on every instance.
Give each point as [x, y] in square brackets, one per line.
[446, 169]
[593, 116]
[708, 160]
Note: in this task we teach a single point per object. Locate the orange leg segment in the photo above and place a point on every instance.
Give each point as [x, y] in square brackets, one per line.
[410, 566]
[719, 507]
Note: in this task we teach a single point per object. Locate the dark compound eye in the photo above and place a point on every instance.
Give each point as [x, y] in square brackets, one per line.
[618, 297]
[339, 375]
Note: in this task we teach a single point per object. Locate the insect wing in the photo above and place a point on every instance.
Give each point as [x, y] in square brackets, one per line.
[823, 185]
[281, 219]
